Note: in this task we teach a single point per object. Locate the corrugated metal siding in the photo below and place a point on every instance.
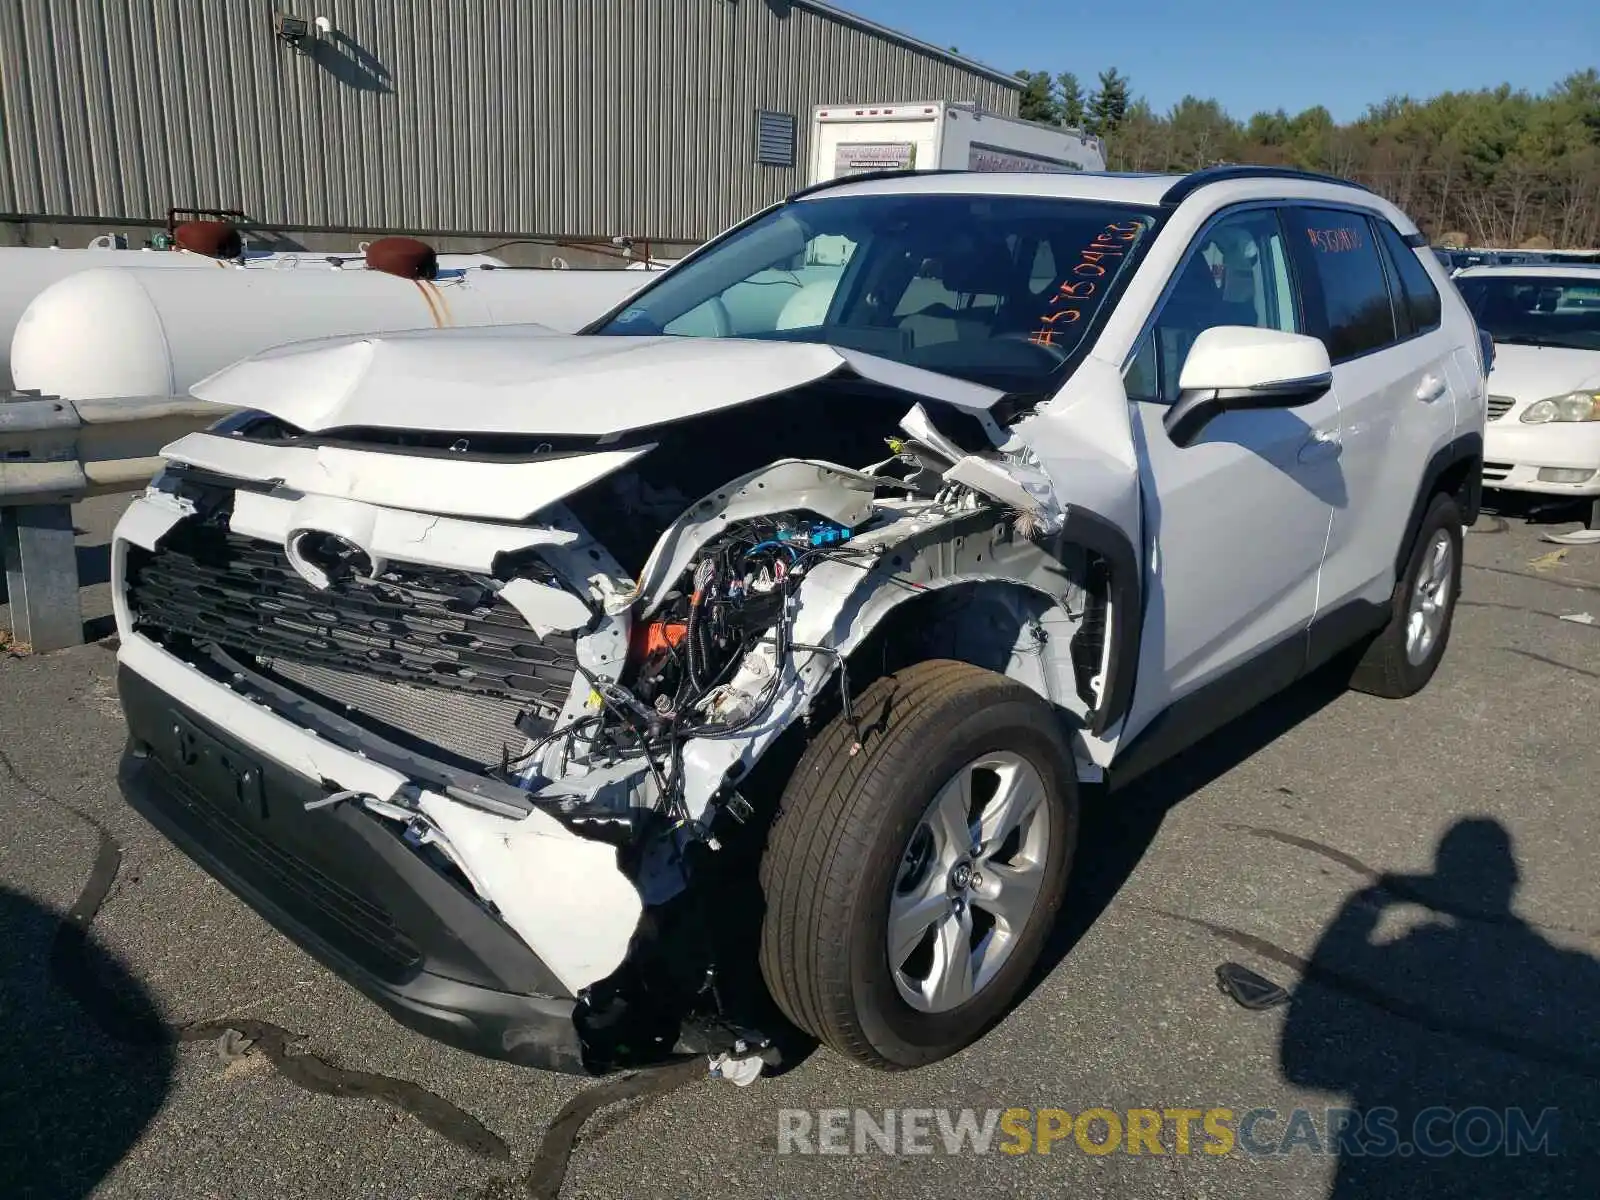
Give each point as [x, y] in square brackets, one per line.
[574, 117]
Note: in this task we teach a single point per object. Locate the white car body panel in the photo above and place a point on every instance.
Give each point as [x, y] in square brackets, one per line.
[1515, 454]
[389, 533]
[1215, 599]
[1529, 373]
[507, 491]
[1397, 409]
[1084, 441]
[562, 893]
[511, 381]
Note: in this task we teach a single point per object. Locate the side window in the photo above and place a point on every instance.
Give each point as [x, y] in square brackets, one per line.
[1340, 249]
[1236, 273]
[1421, 298]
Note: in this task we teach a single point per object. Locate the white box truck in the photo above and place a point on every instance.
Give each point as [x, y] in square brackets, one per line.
[848, 139]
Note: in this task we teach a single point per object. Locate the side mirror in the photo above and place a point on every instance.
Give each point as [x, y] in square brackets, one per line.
[1238, 367]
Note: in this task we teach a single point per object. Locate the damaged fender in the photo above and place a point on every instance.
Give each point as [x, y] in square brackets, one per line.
[1082, 440]
[1069, 472]
[841, 603]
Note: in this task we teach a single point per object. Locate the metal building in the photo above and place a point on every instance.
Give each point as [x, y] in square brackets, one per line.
[659, 119]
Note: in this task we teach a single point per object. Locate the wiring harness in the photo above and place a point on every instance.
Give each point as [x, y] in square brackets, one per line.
[732, 603]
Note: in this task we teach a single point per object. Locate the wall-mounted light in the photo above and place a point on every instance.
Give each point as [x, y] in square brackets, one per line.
[297, 32]
[292, 31]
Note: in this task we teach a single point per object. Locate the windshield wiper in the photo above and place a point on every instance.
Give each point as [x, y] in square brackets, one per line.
[1531, 339]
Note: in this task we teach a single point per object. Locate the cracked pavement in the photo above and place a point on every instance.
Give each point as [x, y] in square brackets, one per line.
[1319, 809]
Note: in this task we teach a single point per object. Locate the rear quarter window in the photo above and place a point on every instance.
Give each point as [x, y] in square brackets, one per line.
[1340, 251]
[1417, 293]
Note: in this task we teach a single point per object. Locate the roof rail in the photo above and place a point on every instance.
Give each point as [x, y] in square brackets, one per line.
[1196, 180]
[869, 176]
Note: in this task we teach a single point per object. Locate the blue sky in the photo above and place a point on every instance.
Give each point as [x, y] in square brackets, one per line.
[1258, 54]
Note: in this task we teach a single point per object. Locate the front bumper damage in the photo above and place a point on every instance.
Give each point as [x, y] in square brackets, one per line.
[460, 905]
[359, 900]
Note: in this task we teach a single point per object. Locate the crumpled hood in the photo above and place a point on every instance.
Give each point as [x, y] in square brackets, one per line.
[526, 380]
[1529, 373]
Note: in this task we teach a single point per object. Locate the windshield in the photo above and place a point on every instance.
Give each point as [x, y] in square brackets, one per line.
[1000, 290]
[1537, 310]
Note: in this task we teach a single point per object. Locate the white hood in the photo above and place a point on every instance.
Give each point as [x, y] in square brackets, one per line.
[526, 380]
[1529, 373]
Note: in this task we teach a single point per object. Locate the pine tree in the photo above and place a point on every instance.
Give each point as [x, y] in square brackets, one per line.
[1070, 101]
[1036, 102]
[1109, 104]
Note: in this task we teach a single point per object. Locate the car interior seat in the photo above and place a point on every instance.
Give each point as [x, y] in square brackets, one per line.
[975, 275]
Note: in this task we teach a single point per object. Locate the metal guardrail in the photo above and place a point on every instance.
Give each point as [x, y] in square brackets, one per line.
[54, 452]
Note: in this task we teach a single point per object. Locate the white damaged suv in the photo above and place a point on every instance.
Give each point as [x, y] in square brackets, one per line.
[576, 697]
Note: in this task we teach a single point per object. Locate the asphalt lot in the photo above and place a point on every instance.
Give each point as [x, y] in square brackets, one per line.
[1266, 836]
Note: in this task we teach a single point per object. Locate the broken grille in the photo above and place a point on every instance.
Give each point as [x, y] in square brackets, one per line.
[430, 628]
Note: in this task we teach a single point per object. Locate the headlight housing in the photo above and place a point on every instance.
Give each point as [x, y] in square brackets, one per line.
[1574, 406]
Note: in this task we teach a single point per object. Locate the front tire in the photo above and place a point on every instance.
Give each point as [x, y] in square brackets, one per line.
[1403, 658]
[910, 885]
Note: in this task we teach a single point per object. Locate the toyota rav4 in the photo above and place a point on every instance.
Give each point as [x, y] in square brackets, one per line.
[576, 697]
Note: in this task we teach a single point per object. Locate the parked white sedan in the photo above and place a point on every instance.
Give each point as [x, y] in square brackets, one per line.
[1544, 402]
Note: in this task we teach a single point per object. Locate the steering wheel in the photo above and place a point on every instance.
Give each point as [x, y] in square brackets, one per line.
[1054, 351]
[721, 322]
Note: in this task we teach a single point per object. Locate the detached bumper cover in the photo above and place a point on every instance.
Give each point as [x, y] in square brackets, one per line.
[343, 885]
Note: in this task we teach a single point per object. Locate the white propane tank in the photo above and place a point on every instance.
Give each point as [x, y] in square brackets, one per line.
[101, 334]
[25, 271]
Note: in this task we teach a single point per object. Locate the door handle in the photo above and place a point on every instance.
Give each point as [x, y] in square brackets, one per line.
[1321, 446]
[1430, 389]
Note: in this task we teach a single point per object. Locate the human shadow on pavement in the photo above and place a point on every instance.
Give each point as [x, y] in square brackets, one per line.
[1466, 1042]
[73, 1100]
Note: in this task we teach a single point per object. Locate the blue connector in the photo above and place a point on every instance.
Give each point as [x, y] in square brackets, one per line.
[821, 535]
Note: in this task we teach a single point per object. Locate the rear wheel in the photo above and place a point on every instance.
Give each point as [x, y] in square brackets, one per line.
[1403, 658]
[910, 884]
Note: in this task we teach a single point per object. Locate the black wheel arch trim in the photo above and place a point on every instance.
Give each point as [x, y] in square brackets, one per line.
[1095, 533]
[1466, 449]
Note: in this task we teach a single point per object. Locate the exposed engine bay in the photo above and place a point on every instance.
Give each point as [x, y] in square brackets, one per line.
[620, 659]
[730, 602]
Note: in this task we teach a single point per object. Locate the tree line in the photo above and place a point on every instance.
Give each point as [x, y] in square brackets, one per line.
[1496, 167]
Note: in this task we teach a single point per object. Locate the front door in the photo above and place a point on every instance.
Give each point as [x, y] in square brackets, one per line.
[1236, 523]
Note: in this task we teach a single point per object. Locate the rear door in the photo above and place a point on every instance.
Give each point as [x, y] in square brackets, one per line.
[1380, 317]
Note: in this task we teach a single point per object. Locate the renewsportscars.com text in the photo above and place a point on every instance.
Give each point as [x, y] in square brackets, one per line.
[1259, 1132]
